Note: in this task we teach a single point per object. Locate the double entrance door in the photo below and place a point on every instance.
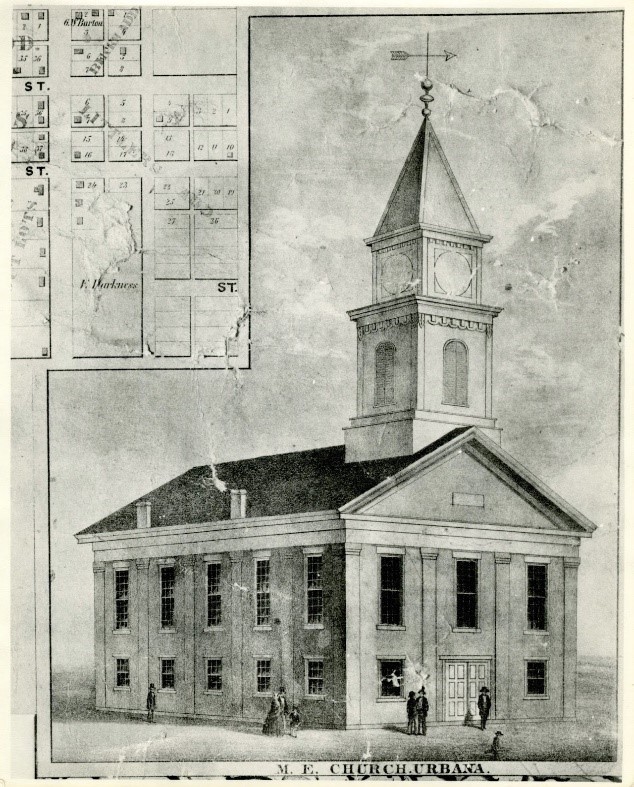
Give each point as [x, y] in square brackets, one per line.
[462, 680]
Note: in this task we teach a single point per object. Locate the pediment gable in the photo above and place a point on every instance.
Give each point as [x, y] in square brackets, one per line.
[472, 480]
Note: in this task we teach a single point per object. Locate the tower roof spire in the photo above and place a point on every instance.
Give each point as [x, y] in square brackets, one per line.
[427, 193]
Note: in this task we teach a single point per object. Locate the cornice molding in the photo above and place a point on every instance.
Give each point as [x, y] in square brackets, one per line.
[413, 318]
[391, 322]
[402, 245]
[455, 322]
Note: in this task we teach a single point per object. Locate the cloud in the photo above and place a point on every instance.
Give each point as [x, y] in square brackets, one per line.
[555, 208]
[563, 201]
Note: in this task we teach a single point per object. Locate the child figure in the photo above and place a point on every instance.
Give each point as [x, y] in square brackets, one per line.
[294, 720]
[496, 745]
[411, 713]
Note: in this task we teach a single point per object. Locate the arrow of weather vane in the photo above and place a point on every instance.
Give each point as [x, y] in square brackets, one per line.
[426, 84]
[398, 54]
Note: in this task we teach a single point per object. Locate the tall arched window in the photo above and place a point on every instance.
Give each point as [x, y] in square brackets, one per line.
[455, 375]
[384, 374]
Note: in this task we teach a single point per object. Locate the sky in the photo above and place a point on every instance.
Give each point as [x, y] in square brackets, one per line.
[528, 114]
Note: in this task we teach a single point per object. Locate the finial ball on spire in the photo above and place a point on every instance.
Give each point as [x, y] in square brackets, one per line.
[427, 85]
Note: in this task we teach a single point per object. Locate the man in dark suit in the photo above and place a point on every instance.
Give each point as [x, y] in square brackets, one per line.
[484, 706]
[151, 702]
[422, 709]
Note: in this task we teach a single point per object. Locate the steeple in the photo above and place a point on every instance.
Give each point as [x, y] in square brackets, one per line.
[425, 344]
[426, 192]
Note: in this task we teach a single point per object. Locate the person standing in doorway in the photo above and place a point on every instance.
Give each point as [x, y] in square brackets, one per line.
[484, 706]
[422, 709]
[150, 703]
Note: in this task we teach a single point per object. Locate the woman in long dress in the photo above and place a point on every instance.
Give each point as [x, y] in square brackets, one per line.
[273, 722]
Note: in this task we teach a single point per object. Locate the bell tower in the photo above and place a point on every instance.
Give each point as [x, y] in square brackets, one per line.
[425, 343]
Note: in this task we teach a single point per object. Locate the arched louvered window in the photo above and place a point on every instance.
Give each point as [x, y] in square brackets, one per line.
[384, 374]
[455, 376]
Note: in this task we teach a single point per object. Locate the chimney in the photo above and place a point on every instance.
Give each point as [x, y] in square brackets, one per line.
[238, 503]
[143, 513]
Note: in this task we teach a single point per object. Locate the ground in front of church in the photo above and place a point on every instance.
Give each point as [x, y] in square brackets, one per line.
[83, 735]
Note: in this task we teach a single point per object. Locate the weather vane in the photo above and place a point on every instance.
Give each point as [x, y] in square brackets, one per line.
[426, 84]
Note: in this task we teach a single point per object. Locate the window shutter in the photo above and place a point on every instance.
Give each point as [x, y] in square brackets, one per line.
[449, 373]
[455, 374]
[461, 374]
[384, 374]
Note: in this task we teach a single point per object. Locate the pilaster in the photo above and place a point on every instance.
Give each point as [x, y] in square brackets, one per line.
[235, 667]
[285, 625]
[571, 566]
[353, 634]
[187, 564]
[99, 575]
[488, 372]
[143, 630]
[502, 678]
[433, 686]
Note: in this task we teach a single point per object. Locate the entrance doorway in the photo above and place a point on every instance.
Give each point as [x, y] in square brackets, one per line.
[463, 680]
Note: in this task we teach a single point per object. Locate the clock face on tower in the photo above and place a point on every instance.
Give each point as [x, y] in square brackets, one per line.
[452, 272]
[397, 272]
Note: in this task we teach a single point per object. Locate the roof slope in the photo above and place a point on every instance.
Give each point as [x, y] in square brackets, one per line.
[427, 191]
[299, 482]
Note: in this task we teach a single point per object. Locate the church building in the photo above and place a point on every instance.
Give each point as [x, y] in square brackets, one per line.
[418, 553]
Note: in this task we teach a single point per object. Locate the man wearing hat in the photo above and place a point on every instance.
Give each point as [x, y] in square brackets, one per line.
[484, 706]
[422, 709]
[151, 702]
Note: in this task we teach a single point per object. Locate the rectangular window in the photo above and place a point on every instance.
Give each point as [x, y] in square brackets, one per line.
[391, 590]
[214, 674]
[214, 599]
[314, 589]
[466, 594]
[121, 598]
[262, 592]
[536, 679]
[123, 673]
[537, 595]
[391, 678]
[168, 583]
[263, 676]
[168, 679]
[314, 677]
